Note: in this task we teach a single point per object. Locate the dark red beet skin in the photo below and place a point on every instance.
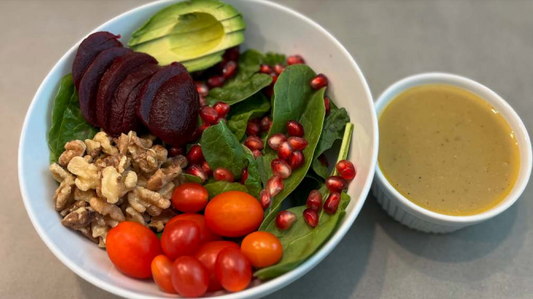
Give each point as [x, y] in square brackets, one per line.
[119, 69]
[174, 110]
[122, 117]
[150, 88]
[91, 80]
[89, 48]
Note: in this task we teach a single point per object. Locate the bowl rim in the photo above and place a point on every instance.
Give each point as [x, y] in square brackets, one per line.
[402, 85]
[266, 287]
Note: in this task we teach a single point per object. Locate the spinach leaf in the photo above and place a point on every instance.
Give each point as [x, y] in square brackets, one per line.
[222, 149]
[240, 114]
[253, 182]
[272, 58]
[192, 178]
[294, 99]
[216, 188]
[332, 131]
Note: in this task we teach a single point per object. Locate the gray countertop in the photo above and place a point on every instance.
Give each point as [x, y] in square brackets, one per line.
[488, 41]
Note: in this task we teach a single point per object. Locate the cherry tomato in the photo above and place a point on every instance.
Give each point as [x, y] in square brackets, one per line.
[131, 247]
[161, 270]
[207, 254]
[190, 277]
[233, 270]
[190, 198]
[206, 235]
[262, 249]
[233, 214]
[180, 238]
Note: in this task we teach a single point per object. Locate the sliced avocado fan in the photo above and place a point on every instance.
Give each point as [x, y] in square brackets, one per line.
[195, 33]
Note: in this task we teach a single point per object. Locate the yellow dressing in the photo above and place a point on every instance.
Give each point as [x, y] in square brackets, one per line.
[447, 150]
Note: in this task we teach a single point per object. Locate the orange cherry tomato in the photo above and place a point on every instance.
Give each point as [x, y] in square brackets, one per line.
[207, 254]
[180, 238]
[262, 249]
[190, 277]
[161, 271]
[233, 270]
[131, 247]
[190, 198]
[233, 214]
[206, 235]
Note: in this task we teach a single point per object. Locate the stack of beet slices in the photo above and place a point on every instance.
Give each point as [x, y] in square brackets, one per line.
[121, 90]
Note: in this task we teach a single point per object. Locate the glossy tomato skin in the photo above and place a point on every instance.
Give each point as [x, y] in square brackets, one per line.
[207, 254]
[180, 238]
[190, 198]
[233, 270]
[190, 277]
[233, 214]
[161, 271]
[131, 247]
[262, 249]
[206, 235]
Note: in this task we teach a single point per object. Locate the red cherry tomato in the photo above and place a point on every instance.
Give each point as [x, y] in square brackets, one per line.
[161, 271]
[131, 247]
[262, 249]
[180, 238]
[233, 270]
[190, 277]
[207, 254]
[190, 198]
[233, 214]
[206, 235]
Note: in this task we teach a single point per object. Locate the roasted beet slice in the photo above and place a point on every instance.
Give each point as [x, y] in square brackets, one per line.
[91, 80]
[150, 88]
[174, 111]
[122, 117]
[119, 69]
[89, 48]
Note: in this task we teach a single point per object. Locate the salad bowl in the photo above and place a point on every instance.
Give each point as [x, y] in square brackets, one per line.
[270, 27]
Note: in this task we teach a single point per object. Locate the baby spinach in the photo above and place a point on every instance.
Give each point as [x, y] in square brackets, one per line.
[216, 188]
[253, 182]
[68, 122]
[192, 178]
[272, 58]
[241, 113]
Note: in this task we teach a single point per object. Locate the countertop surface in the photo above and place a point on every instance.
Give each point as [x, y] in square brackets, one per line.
[488, 41]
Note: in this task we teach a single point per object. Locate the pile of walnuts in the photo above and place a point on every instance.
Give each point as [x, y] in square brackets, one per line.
[107, 180]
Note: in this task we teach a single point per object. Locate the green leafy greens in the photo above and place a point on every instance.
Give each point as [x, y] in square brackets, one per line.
[241, 113]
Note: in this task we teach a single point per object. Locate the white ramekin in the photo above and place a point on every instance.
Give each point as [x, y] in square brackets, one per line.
[416, 217]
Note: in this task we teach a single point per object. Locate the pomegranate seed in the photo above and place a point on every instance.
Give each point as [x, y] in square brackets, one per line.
[274, 185]
[265, 199]
[274, 78]
[197, 170]
[229, 70]
[175, 151]
[336, 183]
[195, 155]
[275, 141]
[346, 169]
[209, 115]
[215, 81]
[285, 219]
[327, 104]
[256, 153]
[278, 68]
[202, 101]
[295, 128]
[285, 150]
[332, 203]
[244, 175]
[265, 69]
[268, 91]
[202, 89]
[310, 217]
[198, 132]
[221, 108]
[266, 124]
[232, 54]
[223, 174]
[206, 169]
[295, 59]
[281, 168]
[314, 200]
[254, 143]
[323, 160]
[296, 160]
[253, 128]
[319, 81]
[297, 143]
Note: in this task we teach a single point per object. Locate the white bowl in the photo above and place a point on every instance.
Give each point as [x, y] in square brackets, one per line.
[271, 27]
[416, 217]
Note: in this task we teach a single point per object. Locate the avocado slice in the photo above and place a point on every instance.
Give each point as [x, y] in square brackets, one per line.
[203, 62]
